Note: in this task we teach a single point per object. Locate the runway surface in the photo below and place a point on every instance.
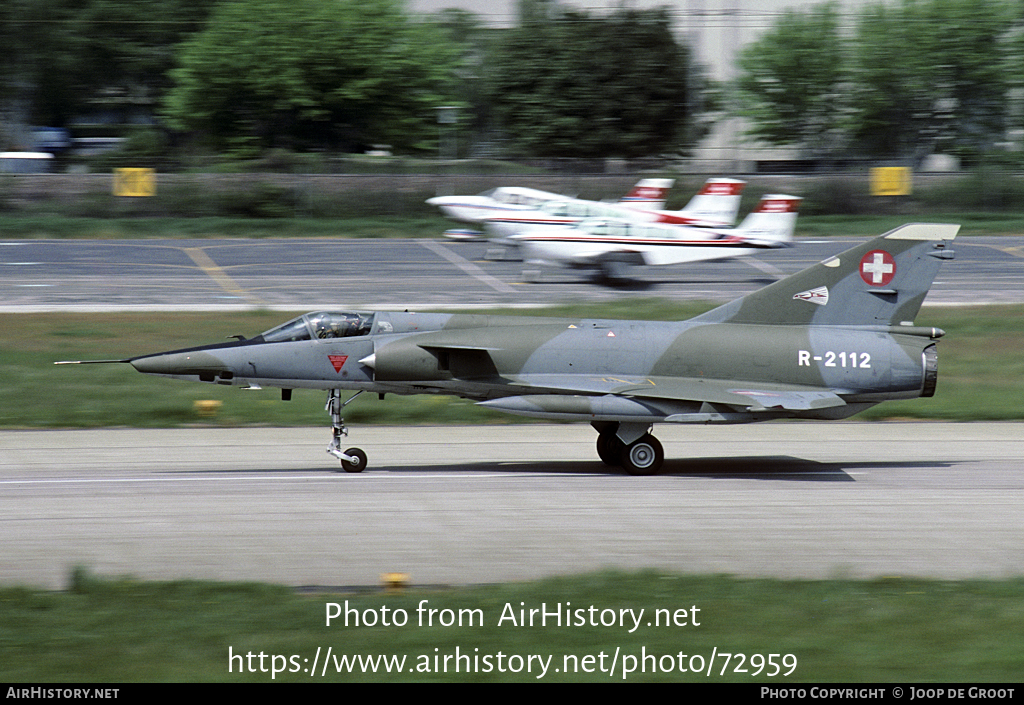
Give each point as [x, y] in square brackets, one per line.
[308, 274]
[458, 505]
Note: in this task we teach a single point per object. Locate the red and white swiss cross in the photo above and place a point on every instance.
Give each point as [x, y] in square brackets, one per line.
[877, 268]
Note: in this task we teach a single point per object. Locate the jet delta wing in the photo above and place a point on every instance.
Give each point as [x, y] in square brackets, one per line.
[824, 343]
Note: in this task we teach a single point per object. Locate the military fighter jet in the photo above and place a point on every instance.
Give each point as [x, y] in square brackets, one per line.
[824, 343]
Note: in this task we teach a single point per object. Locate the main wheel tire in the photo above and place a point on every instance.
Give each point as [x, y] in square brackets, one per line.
[643, 457]
[358, 465]
[609, 449]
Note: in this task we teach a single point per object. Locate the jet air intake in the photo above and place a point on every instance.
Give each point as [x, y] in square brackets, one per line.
[403, 361]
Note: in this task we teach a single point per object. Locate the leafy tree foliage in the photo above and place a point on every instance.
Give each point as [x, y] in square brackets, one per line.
[792, 81]
[470, 41]
[579, 85]
[932, 75]
[284, 72]
[65, 58]
[913, 78]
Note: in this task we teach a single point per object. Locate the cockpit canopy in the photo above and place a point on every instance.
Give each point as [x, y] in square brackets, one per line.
[321, 324]
[514, 196]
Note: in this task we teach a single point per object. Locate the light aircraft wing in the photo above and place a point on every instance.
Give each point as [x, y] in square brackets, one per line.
[600, 258]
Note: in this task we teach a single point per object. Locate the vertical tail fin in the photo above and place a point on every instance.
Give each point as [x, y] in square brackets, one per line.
[772, 222]
[716, 204]
[879, 283]
[648, 194]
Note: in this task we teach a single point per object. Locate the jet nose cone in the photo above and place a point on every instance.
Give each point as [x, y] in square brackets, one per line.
[201, 364]
[153, 364]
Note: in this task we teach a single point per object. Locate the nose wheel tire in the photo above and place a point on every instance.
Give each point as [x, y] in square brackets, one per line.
[643, 457]
[353, 459]
[358, 462]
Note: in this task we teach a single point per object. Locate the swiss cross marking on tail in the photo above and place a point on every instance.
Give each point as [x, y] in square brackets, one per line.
[877, 268]
[337, 361]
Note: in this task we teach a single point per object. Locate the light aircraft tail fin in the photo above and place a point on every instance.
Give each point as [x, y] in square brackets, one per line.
[772, 223]
[879, 283]
[648, 194]
[716, 204]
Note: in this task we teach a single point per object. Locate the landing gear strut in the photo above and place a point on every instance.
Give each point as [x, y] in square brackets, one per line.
[353, 459]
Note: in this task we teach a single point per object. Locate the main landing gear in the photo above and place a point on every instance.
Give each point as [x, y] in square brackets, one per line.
[629, 446]
[353, 459]
[643, 455]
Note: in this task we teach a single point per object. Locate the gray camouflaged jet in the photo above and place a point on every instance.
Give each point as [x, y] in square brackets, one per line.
[824, 343]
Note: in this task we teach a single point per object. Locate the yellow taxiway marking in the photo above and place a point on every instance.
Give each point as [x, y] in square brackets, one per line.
[215, 272]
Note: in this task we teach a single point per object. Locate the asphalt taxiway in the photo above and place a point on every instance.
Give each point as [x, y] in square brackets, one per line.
[458, 505]
[307, 274]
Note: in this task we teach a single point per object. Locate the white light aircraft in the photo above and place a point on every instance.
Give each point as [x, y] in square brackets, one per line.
[648, 193]
[714, 206]
[608, 246]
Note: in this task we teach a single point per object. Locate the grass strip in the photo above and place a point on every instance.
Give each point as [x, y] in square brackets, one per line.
[885, 630]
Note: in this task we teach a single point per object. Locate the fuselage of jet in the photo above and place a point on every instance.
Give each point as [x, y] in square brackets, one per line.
[561, 368]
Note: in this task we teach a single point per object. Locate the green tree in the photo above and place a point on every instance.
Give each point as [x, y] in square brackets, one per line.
[289, 72]
[791, 84]
[913, 78]
[20, 33]
[933, 75]
[581, 85]
[62, 59]
[471, 40]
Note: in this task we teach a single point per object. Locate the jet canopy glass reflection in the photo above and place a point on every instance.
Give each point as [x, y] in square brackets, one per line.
[322, 325]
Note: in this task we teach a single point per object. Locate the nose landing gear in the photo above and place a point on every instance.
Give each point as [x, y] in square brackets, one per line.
[353, 459]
